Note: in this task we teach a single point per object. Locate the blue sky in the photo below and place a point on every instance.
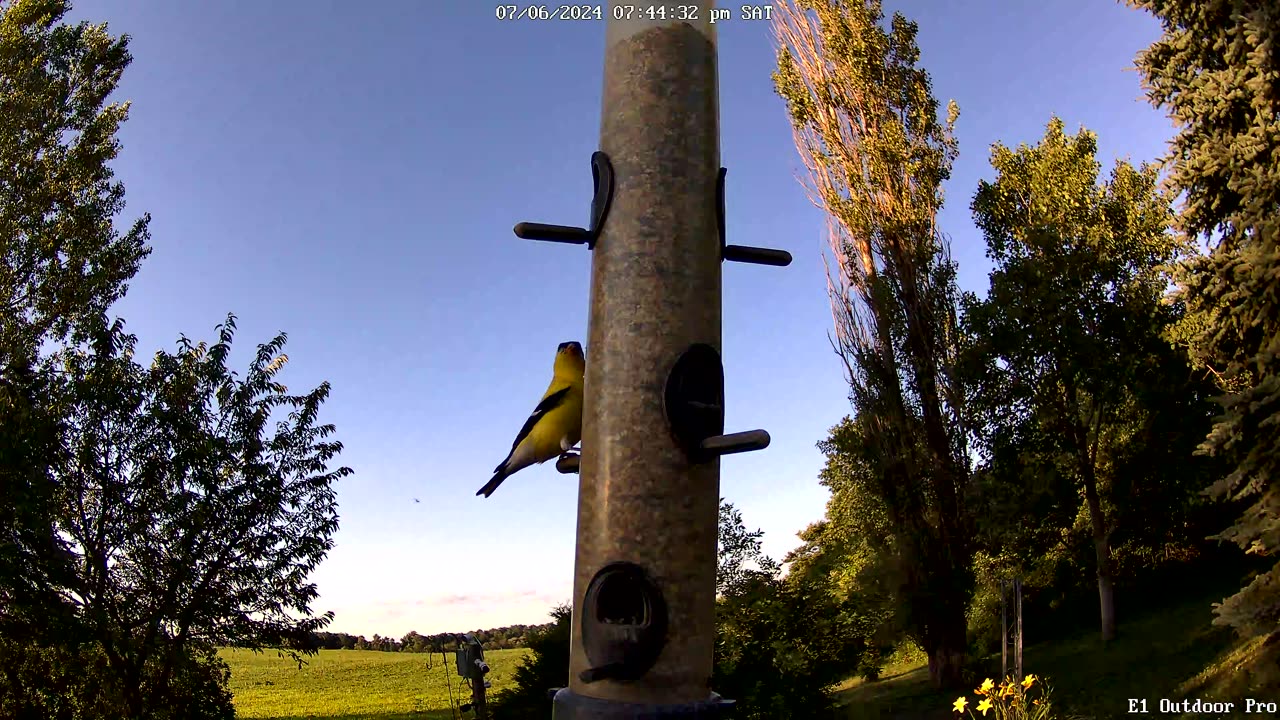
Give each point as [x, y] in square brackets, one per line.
[350, 174]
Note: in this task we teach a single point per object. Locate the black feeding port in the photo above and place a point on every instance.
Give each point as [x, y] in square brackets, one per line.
[624, 627]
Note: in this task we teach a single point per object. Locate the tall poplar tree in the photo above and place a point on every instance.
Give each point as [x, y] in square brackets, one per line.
[867, 128]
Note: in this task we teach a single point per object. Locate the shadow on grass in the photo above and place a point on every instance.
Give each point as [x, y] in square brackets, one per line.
[905, 695]
[1154, 657]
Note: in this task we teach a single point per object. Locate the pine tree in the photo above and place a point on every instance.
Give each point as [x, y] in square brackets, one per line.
[1216, 69]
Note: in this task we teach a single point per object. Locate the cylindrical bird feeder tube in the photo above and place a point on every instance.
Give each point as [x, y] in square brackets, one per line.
[647, 515]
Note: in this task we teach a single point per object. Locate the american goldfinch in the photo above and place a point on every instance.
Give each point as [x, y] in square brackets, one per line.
[555, 425]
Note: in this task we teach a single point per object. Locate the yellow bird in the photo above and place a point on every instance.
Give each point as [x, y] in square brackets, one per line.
[555, 425]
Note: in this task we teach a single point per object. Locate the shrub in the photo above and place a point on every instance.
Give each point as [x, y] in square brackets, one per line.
[77, 683]
[545, 667]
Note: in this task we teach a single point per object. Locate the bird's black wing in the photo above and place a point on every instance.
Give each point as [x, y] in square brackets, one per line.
[549, 403]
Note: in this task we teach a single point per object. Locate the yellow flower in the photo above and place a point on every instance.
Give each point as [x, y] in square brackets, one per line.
[986, 687]
[959, 704]
[1028, 681]
[984, 706]
[1006, 689]
[1035, 702]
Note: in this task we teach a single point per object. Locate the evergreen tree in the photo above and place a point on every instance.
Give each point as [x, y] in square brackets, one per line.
[1216, 69]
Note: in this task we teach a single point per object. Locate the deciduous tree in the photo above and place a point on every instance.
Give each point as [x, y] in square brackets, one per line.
[876, 152]
[196, 503]
[62, 261]
[62, 264]
[1073, 322]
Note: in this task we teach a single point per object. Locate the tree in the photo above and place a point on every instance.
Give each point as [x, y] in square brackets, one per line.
[866, 126]
[740, 554]
[1074, 319]
[194, 522]
[1214, 70]
[781, 643]
[66, 683]
[544, 668]
[34, 560]
[852, 550]
[62, 264]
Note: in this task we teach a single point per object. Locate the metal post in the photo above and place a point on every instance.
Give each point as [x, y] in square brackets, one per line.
[471, 665]
[644, 578]
[1017, 589]
[1004, 631]
[478, 702]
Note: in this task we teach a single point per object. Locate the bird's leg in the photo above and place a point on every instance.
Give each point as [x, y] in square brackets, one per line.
[566, 448]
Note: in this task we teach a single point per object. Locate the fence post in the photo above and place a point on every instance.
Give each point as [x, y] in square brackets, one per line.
[1017, 585]
[1004, 630]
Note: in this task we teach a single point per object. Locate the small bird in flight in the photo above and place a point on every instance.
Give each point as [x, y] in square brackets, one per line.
[555, 425]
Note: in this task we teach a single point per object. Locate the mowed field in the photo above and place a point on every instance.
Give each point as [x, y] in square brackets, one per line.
[356, 684]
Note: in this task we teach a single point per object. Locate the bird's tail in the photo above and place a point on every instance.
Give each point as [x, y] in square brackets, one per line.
[499, 475]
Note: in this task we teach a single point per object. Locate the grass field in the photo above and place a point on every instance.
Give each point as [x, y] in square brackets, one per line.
[1171, 653]
[355, 684]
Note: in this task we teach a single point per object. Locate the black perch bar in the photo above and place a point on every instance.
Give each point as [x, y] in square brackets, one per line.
[744, 253]
[757, 256]
[738, 442]
[714, 446]
[553, 233]
[567, 463]
[601, 198]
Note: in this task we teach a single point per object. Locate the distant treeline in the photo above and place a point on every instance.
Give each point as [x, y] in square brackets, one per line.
[503, 638]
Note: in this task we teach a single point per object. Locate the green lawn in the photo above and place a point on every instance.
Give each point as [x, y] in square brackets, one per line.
[355, 684]
[1171, 653]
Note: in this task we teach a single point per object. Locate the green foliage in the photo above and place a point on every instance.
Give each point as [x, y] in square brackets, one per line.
[1214, 70]
[62, 263]
[1074, 382]
[212, 520]
[739, 555]
[34, 559]
[189, 523]
[150, 512]
[1169, 651]
[77, 683]
[782, 645]
[868, 130]
[545, 667]
[58, 683]
[853, 549]
[503, 638]
[191, 685]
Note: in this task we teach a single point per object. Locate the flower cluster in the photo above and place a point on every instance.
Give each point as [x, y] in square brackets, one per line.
[1011, 700]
